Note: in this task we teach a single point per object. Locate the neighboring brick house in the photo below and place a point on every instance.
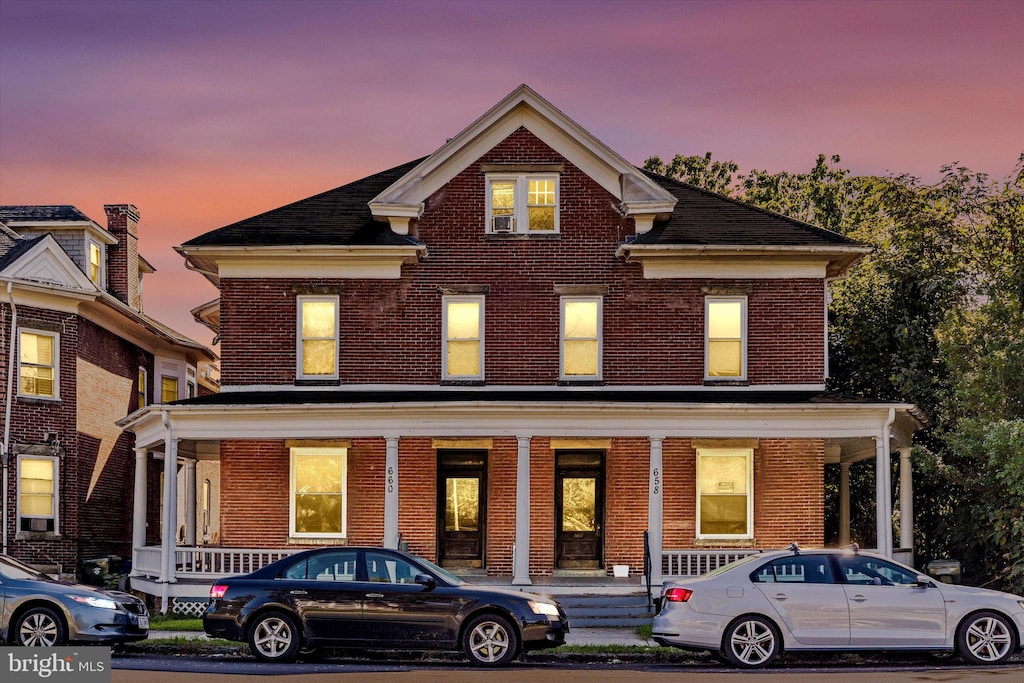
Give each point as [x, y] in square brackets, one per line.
[77, 355]
[517, 355]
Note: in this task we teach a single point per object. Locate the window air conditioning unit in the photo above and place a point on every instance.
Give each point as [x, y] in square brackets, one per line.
[502, 224]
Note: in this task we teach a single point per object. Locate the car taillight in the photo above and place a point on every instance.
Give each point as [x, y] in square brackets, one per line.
[678, 594]
[218, 591]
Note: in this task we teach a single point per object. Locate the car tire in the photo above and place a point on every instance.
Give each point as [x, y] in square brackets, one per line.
[40, 627]
[490, 640]
[751, 642]
[985, 638]
[274, 637]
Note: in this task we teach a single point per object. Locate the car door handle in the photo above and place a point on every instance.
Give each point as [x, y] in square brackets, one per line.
[375, 595]
[780, 596]
[297, 593]
[858, 598]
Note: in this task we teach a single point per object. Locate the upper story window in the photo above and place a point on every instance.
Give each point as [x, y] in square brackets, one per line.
[725, 327]
[168, 389]
[522, 203]
[725, 481]
[96, 263]
[37, 493]
[38, 367]
[317, 352]
[463, 323]
[141, 387]
[581, 338]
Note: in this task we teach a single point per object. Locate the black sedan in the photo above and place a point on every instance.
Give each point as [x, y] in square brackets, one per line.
[377, 598]
[37, 610]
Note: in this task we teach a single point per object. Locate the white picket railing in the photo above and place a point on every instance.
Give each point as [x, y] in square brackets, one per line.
[697, 562]
[208, 562]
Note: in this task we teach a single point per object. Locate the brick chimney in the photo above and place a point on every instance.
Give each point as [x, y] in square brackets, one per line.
[123, 257]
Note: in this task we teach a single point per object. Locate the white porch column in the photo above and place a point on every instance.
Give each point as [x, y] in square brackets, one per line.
[139, 505]
[391, 492]
[844, 503]
[906, 499]
[654, 506]
[521, 557]
[190, 502]
[883, 494]
[168, 540]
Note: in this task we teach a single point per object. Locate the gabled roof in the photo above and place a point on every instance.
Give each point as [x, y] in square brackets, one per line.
[336, 217]
[42, 261]
[53, 213]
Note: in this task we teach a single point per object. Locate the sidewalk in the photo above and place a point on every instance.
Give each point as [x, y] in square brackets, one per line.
[578, 636]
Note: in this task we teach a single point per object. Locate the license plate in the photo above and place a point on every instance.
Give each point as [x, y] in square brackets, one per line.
[144, 623]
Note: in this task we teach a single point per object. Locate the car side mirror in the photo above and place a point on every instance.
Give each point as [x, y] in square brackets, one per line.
[923, 581]
[426, 580]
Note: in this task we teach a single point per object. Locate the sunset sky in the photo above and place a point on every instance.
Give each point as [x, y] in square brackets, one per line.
[203, 113]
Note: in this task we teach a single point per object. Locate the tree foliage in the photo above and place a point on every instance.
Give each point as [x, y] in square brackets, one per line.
[933, 317]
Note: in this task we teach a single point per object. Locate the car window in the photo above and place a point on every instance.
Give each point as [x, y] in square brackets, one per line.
[332, 566]
[387, 568]
[796, 569]
[866, 571]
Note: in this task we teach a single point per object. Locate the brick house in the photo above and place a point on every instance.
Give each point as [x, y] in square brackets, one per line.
[517, 355]
[78, 354]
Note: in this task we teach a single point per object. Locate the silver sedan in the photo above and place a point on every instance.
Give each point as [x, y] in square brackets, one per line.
[750, 611]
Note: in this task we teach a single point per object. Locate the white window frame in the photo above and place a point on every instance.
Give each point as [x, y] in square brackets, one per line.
[299, 300]
[562, 339]
[728, 452]
[177, 387]
[708, 301]
[102, 274]
[520, 212]
[55, 509]
[343, 452]
[56, 363]
[446, 338]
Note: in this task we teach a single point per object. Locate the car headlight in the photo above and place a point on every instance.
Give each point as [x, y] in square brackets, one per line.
[545, 608]
[93, 601]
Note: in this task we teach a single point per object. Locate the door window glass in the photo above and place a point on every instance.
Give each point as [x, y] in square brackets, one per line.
[385, 568]
[579, 504]
[462, 504]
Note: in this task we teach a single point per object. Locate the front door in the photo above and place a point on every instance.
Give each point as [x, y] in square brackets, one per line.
[461, 505]
[579, 509]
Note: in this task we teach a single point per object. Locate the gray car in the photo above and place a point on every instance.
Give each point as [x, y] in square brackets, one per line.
[37, 610]
[752, 610]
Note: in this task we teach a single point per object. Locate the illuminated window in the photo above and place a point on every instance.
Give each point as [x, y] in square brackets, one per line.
[726, 325]
[37, 363]
[463, 322]
[725, 504]
[168, 389]
[96, 264]
[37, 493]
[522, 203]
[318, 492]
[141, 387]
[581, 338]
[317, 351]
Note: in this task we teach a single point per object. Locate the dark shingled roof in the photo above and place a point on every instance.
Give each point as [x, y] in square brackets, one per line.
[18, 248]
[707, 218]
[342, 217]
[538, 394]
[63, 212]
[336, 217]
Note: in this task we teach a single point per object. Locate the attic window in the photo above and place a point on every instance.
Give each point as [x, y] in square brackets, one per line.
[522, 203]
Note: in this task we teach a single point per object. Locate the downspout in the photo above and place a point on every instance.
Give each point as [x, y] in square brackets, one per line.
[7, 409]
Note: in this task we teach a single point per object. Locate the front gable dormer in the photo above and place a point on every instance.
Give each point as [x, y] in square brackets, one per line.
[43, 262]
[513, 191]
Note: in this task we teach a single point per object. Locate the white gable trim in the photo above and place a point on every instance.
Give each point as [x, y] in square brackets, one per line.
[46, 263]
[523, 108]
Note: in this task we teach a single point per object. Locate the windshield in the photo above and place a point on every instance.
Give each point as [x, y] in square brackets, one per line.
[12, 569]
[443, 573]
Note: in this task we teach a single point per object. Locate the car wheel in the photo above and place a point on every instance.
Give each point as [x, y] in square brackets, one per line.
[751, 642]
[490, 640]
[274, 637]
[985, 638]
[42, 627]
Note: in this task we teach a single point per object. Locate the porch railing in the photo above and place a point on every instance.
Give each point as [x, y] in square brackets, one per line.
[208, 562]
[697, 562]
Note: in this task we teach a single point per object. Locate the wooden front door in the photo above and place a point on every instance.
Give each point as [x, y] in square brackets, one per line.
[461, 508]
[579, 509]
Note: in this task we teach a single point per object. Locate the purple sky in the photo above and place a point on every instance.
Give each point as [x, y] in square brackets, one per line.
[204, 113]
